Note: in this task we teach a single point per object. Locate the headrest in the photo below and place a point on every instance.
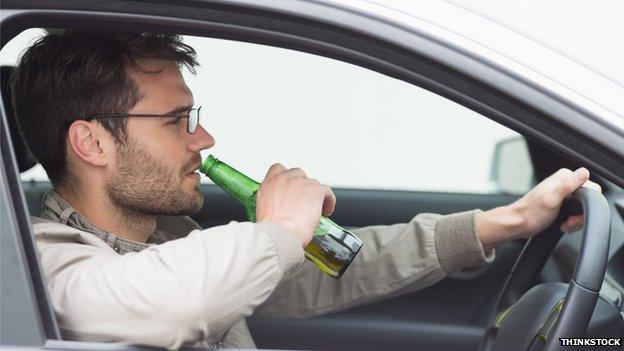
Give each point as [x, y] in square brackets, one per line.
[25, 159]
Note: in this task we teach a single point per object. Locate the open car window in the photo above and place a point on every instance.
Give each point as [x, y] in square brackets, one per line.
[347, 126]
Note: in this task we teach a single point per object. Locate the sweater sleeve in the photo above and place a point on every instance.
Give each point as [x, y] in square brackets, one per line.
[177, 293]
[394, 260]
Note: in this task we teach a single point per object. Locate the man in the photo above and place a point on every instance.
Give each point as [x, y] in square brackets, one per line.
[107, 115]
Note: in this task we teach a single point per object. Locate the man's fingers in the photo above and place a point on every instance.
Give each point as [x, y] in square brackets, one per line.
[573, 223]
[295, 172]
[329, 204]
[329, 201]
[582, 175]
[571, 181]
[274, 169]
[288, 173]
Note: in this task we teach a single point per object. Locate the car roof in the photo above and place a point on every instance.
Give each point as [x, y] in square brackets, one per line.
[587, 33]
[526, 54]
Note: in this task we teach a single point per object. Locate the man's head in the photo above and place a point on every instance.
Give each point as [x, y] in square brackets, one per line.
[142, 164]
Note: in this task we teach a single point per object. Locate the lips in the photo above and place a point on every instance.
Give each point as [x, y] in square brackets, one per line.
[194, 170]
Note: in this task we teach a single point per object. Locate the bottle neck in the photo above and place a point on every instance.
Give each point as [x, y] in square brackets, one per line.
[235, 183]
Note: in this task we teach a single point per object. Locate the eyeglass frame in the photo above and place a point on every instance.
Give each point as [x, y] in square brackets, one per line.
[155, 115]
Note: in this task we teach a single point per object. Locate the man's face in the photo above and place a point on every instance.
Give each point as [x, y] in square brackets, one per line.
[155, 170]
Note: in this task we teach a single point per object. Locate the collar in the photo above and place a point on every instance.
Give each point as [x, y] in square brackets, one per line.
[55, 208]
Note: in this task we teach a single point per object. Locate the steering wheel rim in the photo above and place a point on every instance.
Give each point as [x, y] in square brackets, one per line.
[582, 292]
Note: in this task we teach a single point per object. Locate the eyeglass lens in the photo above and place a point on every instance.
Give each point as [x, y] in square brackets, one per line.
[193, 121]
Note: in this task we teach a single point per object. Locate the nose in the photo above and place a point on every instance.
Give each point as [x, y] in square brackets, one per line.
[200, 140]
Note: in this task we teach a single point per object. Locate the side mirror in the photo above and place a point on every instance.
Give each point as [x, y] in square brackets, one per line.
[512, 170]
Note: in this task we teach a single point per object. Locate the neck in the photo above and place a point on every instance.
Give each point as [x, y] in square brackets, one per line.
[97, 207]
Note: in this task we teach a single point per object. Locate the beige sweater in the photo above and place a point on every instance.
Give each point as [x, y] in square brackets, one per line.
[198, 289]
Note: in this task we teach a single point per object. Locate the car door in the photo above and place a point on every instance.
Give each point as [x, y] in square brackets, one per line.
[453, 312]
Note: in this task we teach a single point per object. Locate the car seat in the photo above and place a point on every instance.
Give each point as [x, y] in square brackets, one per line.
[33, 191]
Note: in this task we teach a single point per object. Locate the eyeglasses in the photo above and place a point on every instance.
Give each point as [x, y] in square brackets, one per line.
[192, 117]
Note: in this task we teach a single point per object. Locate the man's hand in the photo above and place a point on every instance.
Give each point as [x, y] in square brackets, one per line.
[289, 197]
[535, 211]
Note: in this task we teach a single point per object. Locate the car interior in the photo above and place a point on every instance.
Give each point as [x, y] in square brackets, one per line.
[452, 314]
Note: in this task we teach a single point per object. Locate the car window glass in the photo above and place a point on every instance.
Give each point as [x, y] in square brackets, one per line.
[345, 125]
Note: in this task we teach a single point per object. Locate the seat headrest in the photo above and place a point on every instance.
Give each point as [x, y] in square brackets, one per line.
[25, 159]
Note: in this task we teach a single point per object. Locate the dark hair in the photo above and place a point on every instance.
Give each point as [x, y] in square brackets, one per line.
[75, 74]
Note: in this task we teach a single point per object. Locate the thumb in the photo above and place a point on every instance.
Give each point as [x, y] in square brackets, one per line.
[581, 175]
[329, 204]
[574, 180]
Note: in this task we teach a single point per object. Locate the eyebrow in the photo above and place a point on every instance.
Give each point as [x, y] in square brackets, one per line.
[179, 109]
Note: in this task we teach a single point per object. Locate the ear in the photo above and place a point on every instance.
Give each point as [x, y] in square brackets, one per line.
[86, 139]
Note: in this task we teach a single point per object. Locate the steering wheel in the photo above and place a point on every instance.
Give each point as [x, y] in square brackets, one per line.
[535, 319]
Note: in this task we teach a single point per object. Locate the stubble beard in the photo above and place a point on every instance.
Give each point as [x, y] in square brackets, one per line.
[144, 186]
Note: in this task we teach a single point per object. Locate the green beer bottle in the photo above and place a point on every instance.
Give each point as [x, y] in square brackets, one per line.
[332, 248]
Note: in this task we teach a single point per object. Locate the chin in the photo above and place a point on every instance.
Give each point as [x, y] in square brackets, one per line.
[199, 201]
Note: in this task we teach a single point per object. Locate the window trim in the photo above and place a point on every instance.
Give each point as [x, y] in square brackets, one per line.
[19, 235]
